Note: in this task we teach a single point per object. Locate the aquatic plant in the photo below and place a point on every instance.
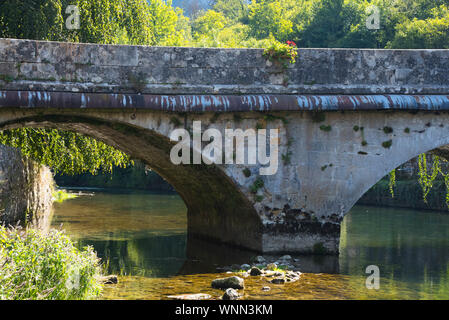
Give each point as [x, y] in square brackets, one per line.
[36, 266]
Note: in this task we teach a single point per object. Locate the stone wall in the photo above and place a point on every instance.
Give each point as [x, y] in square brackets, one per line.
[25, 190]
[57, 66]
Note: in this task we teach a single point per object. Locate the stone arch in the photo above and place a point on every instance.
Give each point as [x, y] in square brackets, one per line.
[217, 209]
[432, 136]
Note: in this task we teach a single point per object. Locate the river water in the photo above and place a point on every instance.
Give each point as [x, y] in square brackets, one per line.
[142, 237]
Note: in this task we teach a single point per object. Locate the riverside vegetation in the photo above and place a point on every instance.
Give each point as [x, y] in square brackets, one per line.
[34, 265]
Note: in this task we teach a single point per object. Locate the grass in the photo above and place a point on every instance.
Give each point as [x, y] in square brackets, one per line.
[38, 266]
[62, 195]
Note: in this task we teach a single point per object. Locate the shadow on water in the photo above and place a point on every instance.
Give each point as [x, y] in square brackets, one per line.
[144, 234]
[164, 256]
[205, 257]
[157, 256]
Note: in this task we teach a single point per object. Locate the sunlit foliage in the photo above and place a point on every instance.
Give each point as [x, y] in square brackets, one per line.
[65, 152]
[36, 266]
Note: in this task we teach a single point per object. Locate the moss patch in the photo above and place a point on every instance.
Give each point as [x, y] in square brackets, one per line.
[325, 128]
[387, 144]
[388, 130]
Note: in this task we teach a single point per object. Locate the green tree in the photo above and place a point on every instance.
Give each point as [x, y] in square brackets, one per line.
[327, 24]
[65, 152]
[274, 17]
[431, 33]
[101, 21]
[208, 23]
[40, 19]
[236, 10]
[168, 24]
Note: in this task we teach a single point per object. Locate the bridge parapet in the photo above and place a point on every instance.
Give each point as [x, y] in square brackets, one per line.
[75, 67]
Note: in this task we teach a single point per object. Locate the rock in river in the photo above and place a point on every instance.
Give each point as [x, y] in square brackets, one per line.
[266, 289]
[272, 266]
[230, 294]
[255, 271]
[278, 281]
[231, 282]
[245, 266]
[111, 279]
[286, 258]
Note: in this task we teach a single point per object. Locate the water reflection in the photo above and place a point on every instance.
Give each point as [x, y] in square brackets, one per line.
[408, 246]
[144, 235]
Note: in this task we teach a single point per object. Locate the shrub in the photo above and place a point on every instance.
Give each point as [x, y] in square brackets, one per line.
[281, 53]
[36, 266]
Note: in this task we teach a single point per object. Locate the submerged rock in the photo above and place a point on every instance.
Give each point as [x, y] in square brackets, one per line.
[293, 275]
[278, 281]
[231, 282]
[245, 267]
[286, 257]
[255, 271]
[269, 273]
[272, 266]
[230, 294]
[259, 259]
[198, 296]
[111, 279]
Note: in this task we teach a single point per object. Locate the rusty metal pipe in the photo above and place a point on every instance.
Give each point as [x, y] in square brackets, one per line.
[221, 103]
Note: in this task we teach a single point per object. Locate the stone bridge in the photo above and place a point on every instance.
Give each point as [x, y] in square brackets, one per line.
[346, 118]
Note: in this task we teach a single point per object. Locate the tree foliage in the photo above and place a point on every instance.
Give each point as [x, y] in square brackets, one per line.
[63, 151]
[233, 23]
